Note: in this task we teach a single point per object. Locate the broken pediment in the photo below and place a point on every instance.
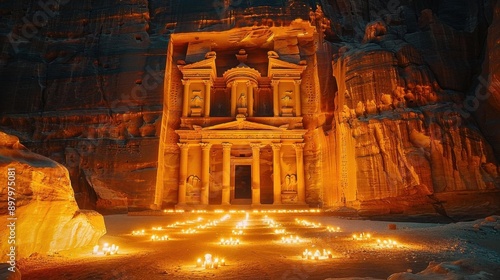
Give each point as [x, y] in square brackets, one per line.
[201, 69]
[282, 69]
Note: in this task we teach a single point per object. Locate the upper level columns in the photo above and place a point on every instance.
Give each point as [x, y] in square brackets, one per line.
[276, 101]
[208, 88]
[233, 98]
[205, 172]
[250, 98]
[298, 108]
[185, 101]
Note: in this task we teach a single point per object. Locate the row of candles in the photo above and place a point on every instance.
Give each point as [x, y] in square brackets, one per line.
[317, 254]
[106, 249]
[209, 261]
[244, 211]
[307, 223]
[295, 239]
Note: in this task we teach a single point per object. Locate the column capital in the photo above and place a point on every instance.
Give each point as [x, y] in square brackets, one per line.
[256, 146]
[274, 82]
[208, 82]
[299, 146]
[205, 146]
[226, 145]
[297, 82]
[183, 146]
[185, 81]
[276, 146]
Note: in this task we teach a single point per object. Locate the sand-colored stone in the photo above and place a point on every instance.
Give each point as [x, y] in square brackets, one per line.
[383, 94]
[48, 218]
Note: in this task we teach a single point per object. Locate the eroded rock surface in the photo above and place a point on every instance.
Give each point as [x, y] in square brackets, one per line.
[391, 82]
[48, 218]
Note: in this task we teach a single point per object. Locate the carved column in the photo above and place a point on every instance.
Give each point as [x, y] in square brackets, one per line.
[208, 86]
[250, 99]
[299, 156]
[183, 167]
[233, 98]
[298, 105]
[226, 173]
[276, 173]
[205, 172]
[255, 173]
[276, 107]
[185, 101]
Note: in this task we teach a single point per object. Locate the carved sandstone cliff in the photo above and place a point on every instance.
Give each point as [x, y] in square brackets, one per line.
[402, 145]
[86, 89]
[48, 218]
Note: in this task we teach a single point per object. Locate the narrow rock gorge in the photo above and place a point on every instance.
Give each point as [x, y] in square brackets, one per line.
[399, 98]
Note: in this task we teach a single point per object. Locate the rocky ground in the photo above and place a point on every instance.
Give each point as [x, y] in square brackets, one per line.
[464, 249]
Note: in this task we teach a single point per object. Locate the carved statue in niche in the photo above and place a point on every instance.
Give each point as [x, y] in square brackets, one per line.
[286, 111]
[242, 100]
[193, 186]
[290, 184]
[286, 99]
[196, 101]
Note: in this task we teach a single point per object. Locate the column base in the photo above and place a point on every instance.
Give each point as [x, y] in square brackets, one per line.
[155, 207]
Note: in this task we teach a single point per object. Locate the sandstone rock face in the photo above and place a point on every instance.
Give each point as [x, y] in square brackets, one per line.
[401, 140]
[487, 92]
[48, 218]
[393, 84]
[101, 66]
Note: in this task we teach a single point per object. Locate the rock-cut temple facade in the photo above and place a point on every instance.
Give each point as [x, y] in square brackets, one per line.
[232, 131]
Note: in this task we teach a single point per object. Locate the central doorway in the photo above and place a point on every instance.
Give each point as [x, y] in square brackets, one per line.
[243, 182]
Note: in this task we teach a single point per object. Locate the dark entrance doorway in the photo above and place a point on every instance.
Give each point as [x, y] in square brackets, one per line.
[243, 182]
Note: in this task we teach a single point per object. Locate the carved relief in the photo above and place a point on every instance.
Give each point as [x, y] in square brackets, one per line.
[290, 184]
[193, 188]
[196, 103]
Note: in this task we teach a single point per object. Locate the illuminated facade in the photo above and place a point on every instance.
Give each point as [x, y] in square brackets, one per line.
[232, 128]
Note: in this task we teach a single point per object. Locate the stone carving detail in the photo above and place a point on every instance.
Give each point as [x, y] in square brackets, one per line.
[193, 187]
[290, 184]
[196, 101]
[242, 100]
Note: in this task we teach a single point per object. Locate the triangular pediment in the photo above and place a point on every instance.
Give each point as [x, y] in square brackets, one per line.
[208, 63]
[242, 124]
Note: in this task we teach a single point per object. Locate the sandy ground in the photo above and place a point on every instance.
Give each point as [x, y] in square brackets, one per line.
[262, 255]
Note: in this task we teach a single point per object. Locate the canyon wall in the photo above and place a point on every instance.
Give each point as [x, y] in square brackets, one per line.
[82, 83]
[406, 141]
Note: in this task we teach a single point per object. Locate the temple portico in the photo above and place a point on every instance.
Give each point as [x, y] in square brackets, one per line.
[230, 155]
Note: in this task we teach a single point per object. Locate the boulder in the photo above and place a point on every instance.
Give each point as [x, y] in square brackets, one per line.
[46, 218]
